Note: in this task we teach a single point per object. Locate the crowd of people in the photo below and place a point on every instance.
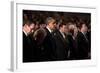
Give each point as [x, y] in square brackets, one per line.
[55, 37]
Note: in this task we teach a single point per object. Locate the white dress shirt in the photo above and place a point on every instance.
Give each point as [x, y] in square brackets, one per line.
[25, 33]
[62, 34]
[49, 29]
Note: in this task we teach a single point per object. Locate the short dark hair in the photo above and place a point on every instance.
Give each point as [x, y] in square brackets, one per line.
[80, 24]
[61, 24]
[28, 22]
[49, 19]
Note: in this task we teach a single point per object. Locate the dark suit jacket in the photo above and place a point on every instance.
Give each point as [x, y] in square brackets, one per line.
[89, 38]
[83, 46]
[72, 47]
[48, 47]
[28, 49]
[39, 36]
[61, 46]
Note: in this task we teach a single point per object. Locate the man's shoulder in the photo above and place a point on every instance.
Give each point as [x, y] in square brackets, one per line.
[24, 36]
[80, 34]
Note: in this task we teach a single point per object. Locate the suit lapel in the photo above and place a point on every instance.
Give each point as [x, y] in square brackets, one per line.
[84, 37]
[61, 37]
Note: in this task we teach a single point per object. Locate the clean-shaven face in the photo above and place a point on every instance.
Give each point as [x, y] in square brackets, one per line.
[31, 28]
[52, 25]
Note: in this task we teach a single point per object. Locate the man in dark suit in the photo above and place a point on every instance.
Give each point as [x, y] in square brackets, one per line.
[39, 36]
[82, 42]
[89, 38]
[61, 42]
[28, 43]
[71, 38]
[49, 42]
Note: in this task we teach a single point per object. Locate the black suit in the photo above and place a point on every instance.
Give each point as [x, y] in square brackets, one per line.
[72, 46]
[28, 49]
[48, 52]
[89, 38]
[61, 46]
[83, 46]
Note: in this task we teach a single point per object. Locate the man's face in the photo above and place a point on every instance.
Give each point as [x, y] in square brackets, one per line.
[71, 26]
[75, 31]
[65, 28]
[30, 28]
[52, 25]
[84, 28]
[37, 27]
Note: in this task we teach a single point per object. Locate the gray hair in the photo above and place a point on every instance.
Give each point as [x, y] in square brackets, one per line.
[48, 20]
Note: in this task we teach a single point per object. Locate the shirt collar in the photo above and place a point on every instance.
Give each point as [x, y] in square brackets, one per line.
[62, 34]
[83, 33]
[25, 33]
[49, 29]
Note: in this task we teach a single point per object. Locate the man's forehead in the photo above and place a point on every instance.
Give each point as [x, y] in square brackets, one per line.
[84, 25]
[65, 26]
[32, 25]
